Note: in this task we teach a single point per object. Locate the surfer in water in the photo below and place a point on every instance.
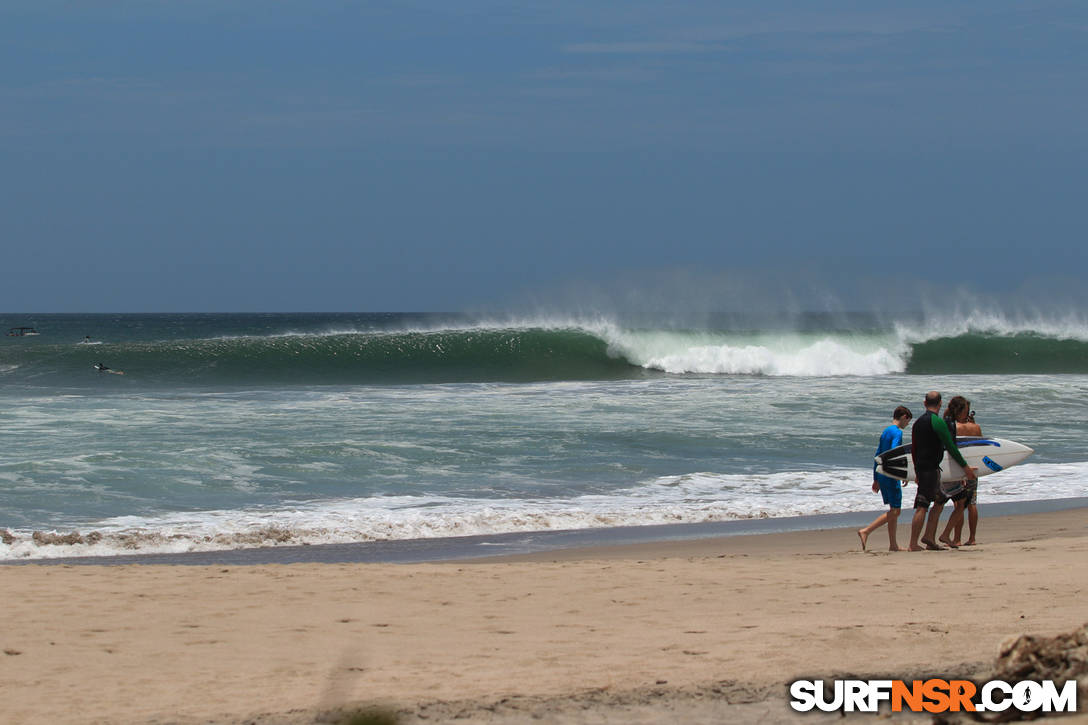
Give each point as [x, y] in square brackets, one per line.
[103, 369]
[890, 489]
[930, 438]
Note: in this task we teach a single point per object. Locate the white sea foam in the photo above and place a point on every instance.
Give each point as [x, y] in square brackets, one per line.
[690, 498]
[794, 354]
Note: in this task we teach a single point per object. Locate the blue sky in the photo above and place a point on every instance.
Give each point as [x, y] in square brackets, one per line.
[275, 155]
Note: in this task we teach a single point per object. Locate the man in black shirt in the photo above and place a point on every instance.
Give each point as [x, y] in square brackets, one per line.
[930, 439]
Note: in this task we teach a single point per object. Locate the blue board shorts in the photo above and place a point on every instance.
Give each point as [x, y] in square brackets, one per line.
[891, 491]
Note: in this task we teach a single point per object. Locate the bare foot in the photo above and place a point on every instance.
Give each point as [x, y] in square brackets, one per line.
[951, 544]
[864, 536]
[932, 545]
[915, 547]
[894, 548]
[970, 542]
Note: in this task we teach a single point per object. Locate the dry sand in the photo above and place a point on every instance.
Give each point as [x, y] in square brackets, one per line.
[703, 631]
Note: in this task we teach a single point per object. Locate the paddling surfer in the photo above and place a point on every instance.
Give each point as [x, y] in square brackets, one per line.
[929, 440]
[103, 369]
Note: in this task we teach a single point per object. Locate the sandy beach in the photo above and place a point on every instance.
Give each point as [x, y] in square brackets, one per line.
[694, 631]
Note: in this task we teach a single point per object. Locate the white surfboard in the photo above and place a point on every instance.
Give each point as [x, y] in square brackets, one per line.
[985, 455]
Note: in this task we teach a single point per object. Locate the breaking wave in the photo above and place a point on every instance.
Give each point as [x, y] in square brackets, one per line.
[566, 350]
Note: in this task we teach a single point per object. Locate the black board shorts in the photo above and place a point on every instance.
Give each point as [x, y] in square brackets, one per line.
[929, 489]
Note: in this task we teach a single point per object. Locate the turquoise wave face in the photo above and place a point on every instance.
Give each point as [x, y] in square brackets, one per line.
[474, 355]
[1024, 353]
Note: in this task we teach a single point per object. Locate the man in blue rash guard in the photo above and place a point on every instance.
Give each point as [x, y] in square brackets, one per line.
[929, 440]
[890, 489]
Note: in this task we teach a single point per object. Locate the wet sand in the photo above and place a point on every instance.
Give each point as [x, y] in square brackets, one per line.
[697, 631]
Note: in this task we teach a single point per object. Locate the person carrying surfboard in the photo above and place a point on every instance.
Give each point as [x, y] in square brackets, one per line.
[891, 490]
[930, 439]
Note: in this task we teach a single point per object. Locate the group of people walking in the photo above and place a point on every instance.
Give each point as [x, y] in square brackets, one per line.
[931, 436]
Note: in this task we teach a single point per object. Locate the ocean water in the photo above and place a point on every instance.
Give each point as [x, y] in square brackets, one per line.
[229, 430]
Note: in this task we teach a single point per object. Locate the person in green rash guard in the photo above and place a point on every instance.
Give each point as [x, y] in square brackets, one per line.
[930, 438]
